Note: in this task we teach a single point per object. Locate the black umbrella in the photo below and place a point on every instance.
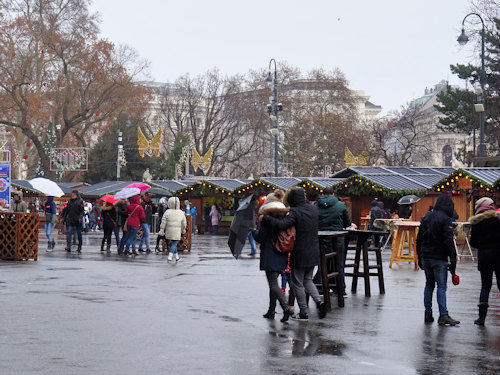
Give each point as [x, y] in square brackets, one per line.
[159, 192]
[408, 199]
[242, 223]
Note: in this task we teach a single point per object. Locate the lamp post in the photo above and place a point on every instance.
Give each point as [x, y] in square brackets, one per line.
[119, 154]
[479, 107]
[273, 109]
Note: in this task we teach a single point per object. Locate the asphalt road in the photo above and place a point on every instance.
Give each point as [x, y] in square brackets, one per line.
[94, 313]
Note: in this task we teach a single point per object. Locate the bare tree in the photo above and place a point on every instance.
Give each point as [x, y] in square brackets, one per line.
[214, 112]
[320, 122]
[54, 68]
[405, 138]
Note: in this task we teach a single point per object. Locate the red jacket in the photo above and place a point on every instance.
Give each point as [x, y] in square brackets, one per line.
[135, 217]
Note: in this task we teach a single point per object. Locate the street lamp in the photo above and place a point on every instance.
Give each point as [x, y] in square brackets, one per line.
[120, 153]
[273, 109]
[479, 107]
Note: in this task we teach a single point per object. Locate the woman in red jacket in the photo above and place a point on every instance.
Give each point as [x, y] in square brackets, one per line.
[136, 216]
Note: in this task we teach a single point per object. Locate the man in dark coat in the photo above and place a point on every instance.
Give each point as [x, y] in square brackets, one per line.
[73, 214]
[305, 255]
[434, 247]
[333, 216]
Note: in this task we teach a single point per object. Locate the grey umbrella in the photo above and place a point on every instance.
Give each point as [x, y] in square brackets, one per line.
[242, 223]
[408, 199]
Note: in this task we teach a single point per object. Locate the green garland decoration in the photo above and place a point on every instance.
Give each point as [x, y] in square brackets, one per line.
[361, 186]
[448, 182]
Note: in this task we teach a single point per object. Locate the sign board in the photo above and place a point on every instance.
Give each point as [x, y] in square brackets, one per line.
[4, 185]
[69, 159]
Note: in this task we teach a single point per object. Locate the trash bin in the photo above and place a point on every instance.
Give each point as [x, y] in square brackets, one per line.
[18, 236]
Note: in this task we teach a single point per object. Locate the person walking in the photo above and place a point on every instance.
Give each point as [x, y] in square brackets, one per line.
[271, 260]
[108, 215]
[73, 215]
[332, 216]
[149, 210]
[50, 210]
[121, 217]
[162, 208]
[305, 255]
[376, 212]
[135, 216]
[18, 205]
[215, 217]
[485, 236]
[434, 247]
[173, 224]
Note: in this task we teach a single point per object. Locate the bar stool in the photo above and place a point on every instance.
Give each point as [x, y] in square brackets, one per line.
[362, 250]
[333, 256]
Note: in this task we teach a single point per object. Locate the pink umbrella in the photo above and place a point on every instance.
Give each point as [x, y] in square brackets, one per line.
[139, 185]
[109, 198]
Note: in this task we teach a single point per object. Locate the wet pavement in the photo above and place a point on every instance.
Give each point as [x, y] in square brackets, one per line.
[94, 313]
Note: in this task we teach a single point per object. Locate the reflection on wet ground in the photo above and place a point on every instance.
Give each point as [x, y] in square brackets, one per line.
[81, 312]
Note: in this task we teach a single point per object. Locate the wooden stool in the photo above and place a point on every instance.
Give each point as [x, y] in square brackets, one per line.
[406, 236]
[362, 250]
[331, 236]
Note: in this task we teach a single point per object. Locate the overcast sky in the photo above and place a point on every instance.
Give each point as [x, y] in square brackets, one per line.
[391, 49]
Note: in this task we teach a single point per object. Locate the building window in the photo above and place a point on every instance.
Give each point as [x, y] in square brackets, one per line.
[447, 156]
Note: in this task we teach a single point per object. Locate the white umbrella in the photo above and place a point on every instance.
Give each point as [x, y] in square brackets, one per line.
[127, 193]
[47, 187]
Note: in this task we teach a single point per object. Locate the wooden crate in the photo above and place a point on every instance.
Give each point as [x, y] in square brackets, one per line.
[18, 236]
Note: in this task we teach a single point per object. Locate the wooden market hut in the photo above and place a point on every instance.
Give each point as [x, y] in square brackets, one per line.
[467, 185]
[363, 184]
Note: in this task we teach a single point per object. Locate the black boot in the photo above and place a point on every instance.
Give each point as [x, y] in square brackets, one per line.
[428, 318]
[286, 315]
[483, 310]
[269, 314]
[102, 246]
[108, 249]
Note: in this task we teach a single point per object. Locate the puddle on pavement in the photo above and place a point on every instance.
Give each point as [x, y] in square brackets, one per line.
[307, 344]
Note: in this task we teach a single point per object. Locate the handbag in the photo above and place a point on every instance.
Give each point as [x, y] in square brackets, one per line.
[286, 240]
[125, 226]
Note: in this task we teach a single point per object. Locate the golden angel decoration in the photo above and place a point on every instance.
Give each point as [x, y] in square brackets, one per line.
[351, 160]
[202, 162]
[148, 147]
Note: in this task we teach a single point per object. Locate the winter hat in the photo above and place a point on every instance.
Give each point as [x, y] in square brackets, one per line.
[275, 196]
[483, 202]
[273, 200]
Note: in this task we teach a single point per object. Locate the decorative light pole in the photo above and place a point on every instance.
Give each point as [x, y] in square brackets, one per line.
[273, 109]
[120, 152]
[479, 107]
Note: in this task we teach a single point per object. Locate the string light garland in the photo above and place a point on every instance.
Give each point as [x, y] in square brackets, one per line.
[362, 186]
[452, 183]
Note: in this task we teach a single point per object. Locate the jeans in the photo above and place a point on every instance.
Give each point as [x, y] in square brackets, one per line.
[275, 292]
[436, 271]
[124, 240]
[131, 237]
[116, 230]
[301, 283]
[49, 227]
[146, 228]
[215, 229]
[69, 234]
[173, 247]
[252, 243]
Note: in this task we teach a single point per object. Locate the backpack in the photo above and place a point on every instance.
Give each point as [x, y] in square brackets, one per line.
[286, 240]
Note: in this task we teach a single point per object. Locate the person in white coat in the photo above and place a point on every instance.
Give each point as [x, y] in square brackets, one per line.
[173, 224]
